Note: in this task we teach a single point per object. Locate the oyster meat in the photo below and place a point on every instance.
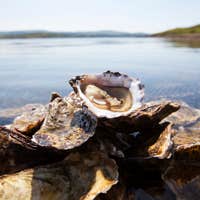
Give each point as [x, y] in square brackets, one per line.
[110, 94]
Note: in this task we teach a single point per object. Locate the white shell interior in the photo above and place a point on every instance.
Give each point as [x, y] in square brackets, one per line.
[110, 79]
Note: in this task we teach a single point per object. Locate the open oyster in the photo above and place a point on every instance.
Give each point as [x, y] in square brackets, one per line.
[110, 94]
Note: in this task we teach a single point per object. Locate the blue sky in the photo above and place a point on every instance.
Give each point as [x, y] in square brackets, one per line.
[79, 15]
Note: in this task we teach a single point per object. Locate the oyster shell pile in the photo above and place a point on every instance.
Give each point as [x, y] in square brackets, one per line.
[101, 138]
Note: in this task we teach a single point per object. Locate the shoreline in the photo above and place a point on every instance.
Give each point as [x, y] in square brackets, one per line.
[188, 36]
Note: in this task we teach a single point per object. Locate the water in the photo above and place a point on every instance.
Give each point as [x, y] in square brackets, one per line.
[30, 69]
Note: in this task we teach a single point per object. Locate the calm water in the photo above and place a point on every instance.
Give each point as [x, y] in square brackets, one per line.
[31, 69]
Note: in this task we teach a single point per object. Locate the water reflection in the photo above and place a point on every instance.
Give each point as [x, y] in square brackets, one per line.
[183, 42]
[30, 69]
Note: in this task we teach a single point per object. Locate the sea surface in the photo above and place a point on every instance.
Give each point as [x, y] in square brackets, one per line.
[30, 69]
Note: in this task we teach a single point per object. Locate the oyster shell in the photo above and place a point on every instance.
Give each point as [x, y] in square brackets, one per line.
[79, 176]
[154, 143]
[183, 179]
[110, 94]
[163, 146]
[17, 152]
[144, 118]
[30, 121]
[186, 138]
[67, 124]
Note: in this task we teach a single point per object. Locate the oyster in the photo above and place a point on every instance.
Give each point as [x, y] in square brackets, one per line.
[110, 94]
[144, 118]
[186, 138]
[30, 121]
[18, 153]
[183, 179]
[79, 176]
[147, 147]
[163, 146]
[155, 143]
[8, 115]
[67, 124]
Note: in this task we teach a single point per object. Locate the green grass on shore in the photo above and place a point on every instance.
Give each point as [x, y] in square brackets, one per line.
[180, 31]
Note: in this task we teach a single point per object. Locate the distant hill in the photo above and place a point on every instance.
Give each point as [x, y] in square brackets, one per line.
[49, 34]
[190, 31]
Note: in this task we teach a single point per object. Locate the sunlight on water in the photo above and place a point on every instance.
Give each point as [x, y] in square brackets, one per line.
[30, 69]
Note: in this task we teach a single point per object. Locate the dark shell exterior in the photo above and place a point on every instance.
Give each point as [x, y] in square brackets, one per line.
[79, 176]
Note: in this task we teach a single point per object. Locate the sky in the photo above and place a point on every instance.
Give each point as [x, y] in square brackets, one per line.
[148, 16]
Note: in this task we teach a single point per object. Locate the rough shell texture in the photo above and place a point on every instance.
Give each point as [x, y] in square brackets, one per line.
[142, 174]
[110, 94]
[162, 148]
[186, 138]
[144, 118]
[183, 178]
[153, 143]
[183, 174]
[79, 176]
[17, 154]
[8, 115]
[185, 115]
[68, 124]
[30, 121]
